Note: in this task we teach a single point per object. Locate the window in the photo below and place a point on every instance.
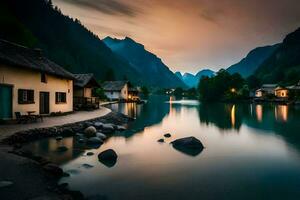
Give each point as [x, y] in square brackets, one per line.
[43, 78]
[60, 97]
[25, 96]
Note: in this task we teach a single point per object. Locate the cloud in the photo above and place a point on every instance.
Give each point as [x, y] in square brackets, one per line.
[109, 7]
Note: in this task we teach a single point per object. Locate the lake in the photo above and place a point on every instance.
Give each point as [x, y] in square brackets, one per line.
[252, 151]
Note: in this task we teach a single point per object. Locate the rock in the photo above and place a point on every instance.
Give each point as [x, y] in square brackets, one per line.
[188, 145]
[5, 184]
[62, 149]
[59, 138]
[67, 131]
[108, 128]
[53, 169]
[65, 174]
[79, 135]
[87, 124]
[94, 141]
[121, 128]
[108, 157]
[87, 166]
[98, 125]
[161, 140]
[167, 135]
[101, 136]
[81, 140]
[90, 131]
[89, 153]
[73, 171]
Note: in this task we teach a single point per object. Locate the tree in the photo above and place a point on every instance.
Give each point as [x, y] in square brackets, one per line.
[223, 86]
[178, 91]
[145, 91]
[99, 92]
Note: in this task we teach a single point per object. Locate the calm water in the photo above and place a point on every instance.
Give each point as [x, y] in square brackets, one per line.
[251, 152]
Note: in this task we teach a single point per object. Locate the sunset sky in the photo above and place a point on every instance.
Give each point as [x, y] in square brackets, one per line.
[190, 35]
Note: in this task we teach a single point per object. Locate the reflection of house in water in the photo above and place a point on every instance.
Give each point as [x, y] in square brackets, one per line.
[259, 112]
[281, 113]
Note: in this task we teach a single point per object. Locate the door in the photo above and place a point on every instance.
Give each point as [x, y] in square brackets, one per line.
[5, 102]
[44, 102]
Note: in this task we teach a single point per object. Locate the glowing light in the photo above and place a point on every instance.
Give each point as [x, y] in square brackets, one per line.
[233, 90]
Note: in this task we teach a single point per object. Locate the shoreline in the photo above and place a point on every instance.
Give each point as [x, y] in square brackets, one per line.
[41, 175]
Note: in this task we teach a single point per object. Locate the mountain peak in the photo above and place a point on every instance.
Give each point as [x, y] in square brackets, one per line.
[151, 67]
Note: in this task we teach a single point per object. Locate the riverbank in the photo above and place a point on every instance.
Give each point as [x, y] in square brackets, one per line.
[27, 176]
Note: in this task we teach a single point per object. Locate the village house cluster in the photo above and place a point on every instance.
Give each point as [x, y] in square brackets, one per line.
[274, 92]
[31, 84]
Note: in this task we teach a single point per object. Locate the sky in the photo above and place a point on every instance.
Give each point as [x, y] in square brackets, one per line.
[190, 35]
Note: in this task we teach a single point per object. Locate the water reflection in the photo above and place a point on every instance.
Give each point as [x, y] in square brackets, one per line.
[281, 113]
[262, 161]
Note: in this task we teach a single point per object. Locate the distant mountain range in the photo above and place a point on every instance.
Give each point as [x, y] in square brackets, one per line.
[149, 67]
[192, 80]
[252, 61]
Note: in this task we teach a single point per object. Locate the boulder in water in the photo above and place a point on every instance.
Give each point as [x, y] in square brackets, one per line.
[188, 145]
[108, 157]
[161, 140]
[167, 135]
[59, 138]
[90, 131]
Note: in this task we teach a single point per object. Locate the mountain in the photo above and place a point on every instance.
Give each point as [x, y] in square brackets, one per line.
[283, 65]
[251, 62]
[192, 80]
[149, 67]
[38, 24]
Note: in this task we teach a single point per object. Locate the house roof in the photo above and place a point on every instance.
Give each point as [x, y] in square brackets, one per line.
[20, 56]
[83, 80]
[269, 85]
[114, 85]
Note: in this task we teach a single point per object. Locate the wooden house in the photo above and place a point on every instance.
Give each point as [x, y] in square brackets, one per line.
[31, 83]
[84, 84]
[281, 92]
[266, 90]
[116, 90]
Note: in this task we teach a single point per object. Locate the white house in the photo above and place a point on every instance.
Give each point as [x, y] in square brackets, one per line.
[116, 90]
[30, 83]
[266, 89]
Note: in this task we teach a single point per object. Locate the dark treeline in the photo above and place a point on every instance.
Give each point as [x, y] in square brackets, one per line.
[223, 87]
